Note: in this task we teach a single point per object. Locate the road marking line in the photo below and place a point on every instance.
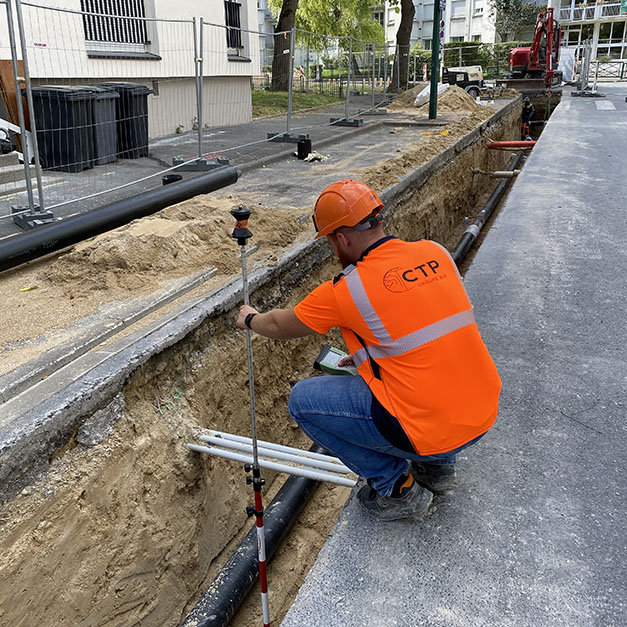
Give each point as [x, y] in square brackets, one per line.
[604, 105]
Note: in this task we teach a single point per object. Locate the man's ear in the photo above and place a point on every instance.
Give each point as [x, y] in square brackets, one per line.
[342, 238]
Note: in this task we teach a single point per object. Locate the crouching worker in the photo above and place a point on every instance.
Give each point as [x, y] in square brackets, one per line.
[427, 387]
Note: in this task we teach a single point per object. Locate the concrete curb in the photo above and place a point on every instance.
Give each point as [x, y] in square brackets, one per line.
[43, 417]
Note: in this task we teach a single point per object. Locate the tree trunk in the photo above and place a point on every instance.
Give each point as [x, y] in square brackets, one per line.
[282, 53]
[401, 64]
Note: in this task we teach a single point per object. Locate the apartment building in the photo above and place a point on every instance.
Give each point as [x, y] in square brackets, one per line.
[603, 23]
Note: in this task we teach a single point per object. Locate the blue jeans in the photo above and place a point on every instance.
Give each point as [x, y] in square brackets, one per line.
[335, 412]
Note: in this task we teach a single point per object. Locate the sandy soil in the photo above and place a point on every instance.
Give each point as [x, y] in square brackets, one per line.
[135, 260]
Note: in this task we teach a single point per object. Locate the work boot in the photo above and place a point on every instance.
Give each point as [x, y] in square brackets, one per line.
[438, 478]
[413, 502]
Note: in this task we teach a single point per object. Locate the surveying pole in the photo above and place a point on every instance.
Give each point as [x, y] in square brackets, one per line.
[242, 234]
[435, 61]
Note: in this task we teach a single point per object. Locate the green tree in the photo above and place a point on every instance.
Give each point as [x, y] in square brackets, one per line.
[512, 16]
[333, 18]
[280, 60]
[400, 73]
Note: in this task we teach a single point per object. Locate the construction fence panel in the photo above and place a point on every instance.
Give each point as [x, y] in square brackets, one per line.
[319, 81]
[493, 58]
[366, 90]
[257, 89]
[16, 182]
[609, 71]
[100, 105]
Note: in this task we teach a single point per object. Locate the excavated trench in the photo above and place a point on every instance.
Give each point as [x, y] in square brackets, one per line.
[123, 525]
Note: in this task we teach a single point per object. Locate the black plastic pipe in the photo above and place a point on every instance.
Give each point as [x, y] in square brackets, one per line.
[50, 237]
[470, 234]
[227, 591]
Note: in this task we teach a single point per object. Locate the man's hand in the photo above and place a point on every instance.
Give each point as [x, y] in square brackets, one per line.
[243, 312]
[346, 362]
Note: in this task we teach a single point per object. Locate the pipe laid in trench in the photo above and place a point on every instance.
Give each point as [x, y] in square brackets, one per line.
[511, 145]
[470, 234]
[46, 239]
[220, 601]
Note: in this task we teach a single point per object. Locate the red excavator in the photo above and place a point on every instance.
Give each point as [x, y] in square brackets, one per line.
[541, 60]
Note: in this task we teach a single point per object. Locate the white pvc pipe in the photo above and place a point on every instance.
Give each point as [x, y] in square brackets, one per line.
[275, 447]
[267, 452]
[316, 475]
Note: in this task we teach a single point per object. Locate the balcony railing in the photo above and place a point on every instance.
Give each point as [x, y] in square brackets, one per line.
[589, 13]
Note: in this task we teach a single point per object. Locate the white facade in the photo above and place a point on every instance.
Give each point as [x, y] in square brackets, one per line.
[464, 20]
[601, 22]
[265, 25]
[67, 45]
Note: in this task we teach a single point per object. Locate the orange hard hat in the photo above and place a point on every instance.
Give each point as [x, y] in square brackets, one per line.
[344, 203]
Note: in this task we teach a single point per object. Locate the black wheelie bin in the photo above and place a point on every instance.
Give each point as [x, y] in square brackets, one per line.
[105, 131]
[132, 119]
[63, 117]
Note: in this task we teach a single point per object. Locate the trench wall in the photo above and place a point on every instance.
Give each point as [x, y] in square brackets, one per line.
[120, 523]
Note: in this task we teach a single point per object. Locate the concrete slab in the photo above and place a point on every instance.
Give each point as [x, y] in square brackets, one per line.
[535, 533]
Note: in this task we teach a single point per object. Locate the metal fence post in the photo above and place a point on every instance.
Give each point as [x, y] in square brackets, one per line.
[290, 80]
[398, 69]
[460, 56]
[198, 64]
[20, 108]
[307, 68]
[348, 76]
[385, 70]
[29, 101]
[372, 69]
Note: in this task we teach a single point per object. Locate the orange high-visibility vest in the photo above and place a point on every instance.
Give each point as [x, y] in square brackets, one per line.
[410, 327]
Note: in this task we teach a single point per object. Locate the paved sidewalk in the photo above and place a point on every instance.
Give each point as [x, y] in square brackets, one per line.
[535, 534]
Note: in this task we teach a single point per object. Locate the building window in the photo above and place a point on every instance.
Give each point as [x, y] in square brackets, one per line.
[456, 40]
[476, 37]
[116, 26]
[233, 24]
[426, 44]
[458, 9]
[378, 17]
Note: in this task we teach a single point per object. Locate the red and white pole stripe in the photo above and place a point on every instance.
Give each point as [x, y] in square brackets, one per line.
[261, 551]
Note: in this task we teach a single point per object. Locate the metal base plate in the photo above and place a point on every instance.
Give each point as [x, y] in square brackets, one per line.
[32, 219]
[287, 138]
[199, 165]
[344, 122]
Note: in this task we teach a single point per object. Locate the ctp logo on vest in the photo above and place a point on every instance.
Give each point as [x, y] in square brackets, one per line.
[398, 280]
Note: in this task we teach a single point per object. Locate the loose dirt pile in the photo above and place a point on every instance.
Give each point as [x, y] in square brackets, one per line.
[405, 100]
[434, 142]
[453, 100]
[134, 260]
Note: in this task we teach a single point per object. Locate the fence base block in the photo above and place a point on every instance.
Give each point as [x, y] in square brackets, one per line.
[347, 122]
[286, 137]
[588, 94]
[33, 218]
[199, 165]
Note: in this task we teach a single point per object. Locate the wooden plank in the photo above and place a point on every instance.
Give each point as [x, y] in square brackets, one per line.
[9, 97]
